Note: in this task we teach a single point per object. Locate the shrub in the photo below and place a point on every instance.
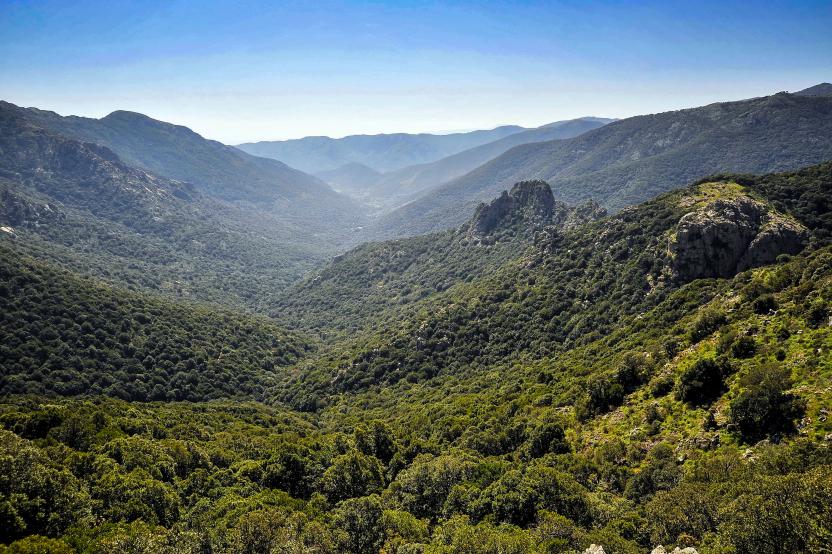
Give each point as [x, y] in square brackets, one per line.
[744, 347]
[764, 408]
[765, 304]
[707, 323]
[702, 382]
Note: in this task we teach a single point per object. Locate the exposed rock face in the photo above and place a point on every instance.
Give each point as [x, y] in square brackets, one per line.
[730, 236]
[530, 204]
[595, 549]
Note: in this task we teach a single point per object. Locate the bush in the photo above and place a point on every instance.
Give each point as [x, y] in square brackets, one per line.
[765, 304]
[702, 382]
[706, 324]
[603, 393]
[764, 408]
[744, 347]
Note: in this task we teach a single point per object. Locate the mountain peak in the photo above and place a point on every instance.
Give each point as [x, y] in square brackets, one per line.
[821, 89]
[531, 202]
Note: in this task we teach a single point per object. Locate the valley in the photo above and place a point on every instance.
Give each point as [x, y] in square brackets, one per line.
[610, 332]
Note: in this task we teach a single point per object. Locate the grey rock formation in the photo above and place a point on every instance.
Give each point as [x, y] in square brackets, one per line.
[662, 550]
[529, 204]
[732, 235]
[595, 549]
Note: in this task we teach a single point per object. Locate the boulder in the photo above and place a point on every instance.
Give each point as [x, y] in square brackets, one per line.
[595, 549]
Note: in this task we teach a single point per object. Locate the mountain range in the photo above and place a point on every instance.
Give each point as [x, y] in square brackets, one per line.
[395, 187]
[615, 342]
[385, 152]
[633, 159]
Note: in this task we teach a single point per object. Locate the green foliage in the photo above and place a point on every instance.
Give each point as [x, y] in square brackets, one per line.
[452, 430]
[66, 335]
[765, 407]
[706, 324]
[703, 382]
[352, 475]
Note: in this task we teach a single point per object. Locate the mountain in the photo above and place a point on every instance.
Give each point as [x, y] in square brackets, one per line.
[384, 152]
[364, 287]
[352, 178]
[634, 159]
[78, 204]
[395, 187]
[578, 284]
[822, 89]
[217, 170]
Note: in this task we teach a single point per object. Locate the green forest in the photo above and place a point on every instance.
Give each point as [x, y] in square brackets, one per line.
[533, 392]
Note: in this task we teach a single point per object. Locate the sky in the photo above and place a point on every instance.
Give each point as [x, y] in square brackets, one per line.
[239, 71]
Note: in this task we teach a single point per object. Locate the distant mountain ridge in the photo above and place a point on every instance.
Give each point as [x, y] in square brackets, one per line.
[384, 152]
[634, 159]
[220, 171]
[395, 187]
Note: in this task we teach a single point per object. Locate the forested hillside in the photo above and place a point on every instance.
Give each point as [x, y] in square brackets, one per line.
[634, 159]
[694, 420]
[539, 379]
[578, 285]
[376, 281]
[79, 204]
[67, 335]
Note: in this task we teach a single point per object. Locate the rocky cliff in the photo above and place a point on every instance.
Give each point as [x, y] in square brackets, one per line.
[731, 235]
[529, 205]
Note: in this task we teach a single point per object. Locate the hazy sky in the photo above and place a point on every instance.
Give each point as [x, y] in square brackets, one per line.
[238, 71]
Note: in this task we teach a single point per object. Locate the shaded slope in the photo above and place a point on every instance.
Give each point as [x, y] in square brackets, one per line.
[79, 204]
[215, 169]
[67, 335]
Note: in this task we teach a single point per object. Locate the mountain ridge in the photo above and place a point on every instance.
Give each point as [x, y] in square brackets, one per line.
[633, 159]
[383, 152]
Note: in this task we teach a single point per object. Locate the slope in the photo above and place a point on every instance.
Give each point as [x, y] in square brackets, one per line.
[579, 285]
[78, 204]
[375, 282]
[67, 335]
[634, 159]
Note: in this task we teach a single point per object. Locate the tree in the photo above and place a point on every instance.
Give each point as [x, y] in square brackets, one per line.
[764, 407]
[361, 520]
[351, 475]
[702, 382]
[547, 438]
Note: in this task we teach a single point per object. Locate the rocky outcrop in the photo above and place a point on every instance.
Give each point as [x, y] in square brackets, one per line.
[662, 550]
[17, 211]
[530, 205]
[732, 235]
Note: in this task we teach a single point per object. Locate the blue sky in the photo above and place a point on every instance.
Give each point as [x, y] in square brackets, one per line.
[244, 70]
